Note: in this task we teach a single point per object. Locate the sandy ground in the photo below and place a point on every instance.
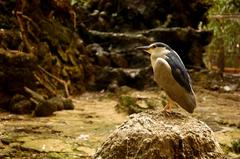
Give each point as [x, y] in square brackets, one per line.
[78, 133]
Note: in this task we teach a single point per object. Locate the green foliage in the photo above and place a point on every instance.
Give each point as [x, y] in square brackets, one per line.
[127, 101]
[225, 6]
[236, 146]
[226, 149]
[225, 22]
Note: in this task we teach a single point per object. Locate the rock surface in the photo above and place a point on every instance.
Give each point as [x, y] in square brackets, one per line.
[47, 145]
[16, 71]
[127, 15]
[155, 135]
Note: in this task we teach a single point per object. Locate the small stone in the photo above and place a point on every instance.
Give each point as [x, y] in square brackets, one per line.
[22, 107]
[45, 108]
[58, 102]
[68, 104]
[6, 140]
[230, 88]
[16, 98]
[83, 137]
[95, 13]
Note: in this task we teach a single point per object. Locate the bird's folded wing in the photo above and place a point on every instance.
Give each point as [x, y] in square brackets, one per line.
[179, 71]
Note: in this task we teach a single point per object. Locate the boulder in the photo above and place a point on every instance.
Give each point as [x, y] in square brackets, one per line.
[19, 104]
[45, 108]
[157, 135]
[68, 104]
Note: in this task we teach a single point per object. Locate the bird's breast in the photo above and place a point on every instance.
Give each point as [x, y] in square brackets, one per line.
[162, 72]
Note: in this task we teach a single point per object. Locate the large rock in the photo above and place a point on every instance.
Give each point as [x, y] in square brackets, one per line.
[155, 135]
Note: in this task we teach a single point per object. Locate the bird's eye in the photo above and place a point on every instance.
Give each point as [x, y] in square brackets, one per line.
[154, 46]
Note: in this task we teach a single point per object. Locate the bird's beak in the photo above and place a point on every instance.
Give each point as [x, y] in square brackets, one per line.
[144, 48]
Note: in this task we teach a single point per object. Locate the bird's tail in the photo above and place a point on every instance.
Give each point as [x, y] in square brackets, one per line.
[190, 103]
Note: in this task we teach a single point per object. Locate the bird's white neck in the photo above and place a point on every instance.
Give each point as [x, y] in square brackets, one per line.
[158, 53]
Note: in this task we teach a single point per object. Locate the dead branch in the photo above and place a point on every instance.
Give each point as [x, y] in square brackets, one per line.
[30, 20]
[23, 32]
[64, 83]
[16, 51]
[31, 33]
[34, 94]
[46, 80]
[74, 18]
[225, 16]
[34, 100]
[45, 84]
[49, 82]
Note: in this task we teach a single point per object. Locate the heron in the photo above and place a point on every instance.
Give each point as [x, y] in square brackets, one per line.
[171, 75]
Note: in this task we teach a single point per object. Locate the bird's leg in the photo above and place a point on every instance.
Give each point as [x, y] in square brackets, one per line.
[168, 107]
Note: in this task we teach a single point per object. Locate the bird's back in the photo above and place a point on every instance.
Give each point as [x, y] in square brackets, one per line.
[179, 71]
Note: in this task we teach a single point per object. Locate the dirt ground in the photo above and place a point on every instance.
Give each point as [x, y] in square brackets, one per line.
[78, 133]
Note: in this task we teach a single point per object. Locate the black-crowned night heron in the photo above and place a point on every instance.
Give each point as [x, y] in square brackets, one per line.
[171, 75]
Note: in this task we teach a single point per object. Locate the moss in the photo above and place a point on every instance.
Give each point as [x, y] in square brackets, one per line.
[132, 105]
[127, 101]
[55, 155]
[226, 149]
[235, 145]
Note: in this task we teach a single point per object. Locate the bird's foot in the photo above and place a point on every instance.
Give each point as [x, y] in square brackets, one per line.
[167, 110]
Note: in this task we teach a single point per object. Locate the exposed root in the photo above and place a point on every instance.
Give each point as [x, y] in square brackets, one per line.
[64, 83]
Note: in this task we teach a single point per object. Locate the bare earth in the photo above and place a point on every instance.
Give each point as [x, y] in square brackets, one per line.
[77, 133]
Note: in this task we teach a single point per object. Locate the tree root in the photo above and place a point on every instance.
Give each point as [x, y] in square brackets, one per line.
[46, 85]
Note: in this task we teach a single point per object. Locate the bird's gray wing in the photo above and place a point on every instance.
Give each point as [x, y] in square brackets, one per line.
[179, 71]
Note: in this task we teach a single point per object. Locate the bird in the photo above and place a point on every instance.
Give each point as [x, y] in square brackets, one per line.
[171, 75]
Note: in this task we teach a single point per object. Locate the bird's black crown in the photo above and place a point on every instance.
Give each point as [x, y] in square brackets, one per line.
[160, 44]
